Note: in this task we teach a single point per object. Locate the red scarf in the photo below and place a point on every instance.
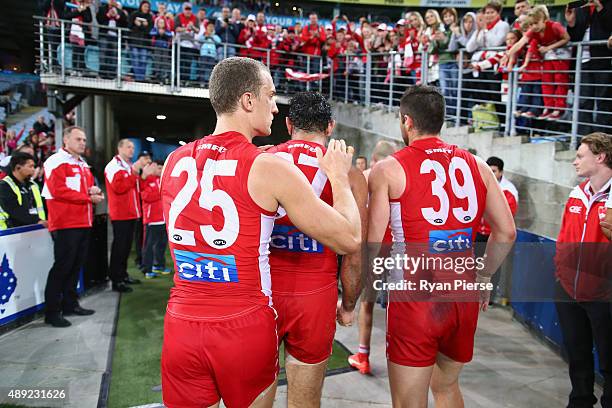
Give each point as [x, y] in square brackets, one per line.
[490, 26]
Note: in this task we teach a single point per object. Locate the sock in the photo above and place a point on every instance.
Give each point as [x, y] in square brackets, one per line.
[364, 349]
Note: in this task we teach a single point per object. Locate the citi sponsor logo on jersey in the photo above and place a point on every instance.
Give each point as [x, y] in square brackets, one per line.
[575, 209]
[443, 241]
[291, 239]
[195, 266]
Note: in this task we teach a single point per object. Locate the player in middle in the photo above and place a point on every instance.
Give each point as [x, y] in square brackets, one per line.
[303, 271]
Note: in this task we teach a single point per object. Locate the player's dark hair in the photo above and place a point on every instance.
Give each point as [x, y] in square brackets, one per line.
[599, 143]
[144, 153]
[232, 78]
[310, 112]
[497, 162]
[425, 106]
[362, 157]
[159, 162]
[20, 159]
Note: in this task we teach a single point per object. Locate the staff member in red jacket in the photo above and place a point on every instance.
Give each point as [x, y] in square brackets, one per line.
[71, 194]
[583, 263]
[156, 238]
[121, 179]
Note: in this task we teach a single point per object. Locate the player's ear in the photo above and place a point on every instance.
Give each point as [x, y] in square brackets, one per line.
[330, 128]
[247, 101]
[289, 126]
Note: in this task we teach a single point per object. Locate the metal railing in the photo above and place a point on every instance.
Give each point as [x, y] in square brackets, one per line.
[509, 102]
[513, 102]
[67, 49]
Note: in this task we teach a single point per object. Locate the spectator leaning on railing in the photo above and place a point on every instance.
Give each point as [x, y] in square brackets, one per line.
[590, 23]
[20, 199]
[114, 17]
[551, 37]
[70, 193]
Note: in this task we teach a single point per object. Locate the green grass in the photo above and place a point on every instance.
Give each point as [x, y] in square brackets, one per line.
[136, 358]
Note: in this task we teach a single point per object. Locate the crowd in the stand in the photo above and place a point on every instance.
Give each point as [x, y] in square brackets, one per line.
[456, 46]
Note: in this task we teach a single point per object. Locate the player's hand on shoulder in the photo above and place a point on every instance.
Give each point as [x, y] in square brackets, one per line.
[337, 160]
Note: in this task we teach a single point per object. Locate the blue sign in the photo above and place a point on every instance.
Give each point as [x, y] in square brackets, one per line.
[198, 267]
[289, 238]
[443, 241]
[8, 282]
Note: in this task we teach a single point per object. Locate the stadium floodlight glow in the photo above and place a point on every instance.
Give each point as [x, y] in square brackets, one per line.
[294, 8]
[150, 139]
[182, 143]
[161, 117]
[276, 4]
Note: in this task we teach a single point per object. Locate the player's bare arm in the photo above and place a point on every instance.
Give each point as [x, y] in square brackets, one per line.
[338, 227]
[350, 272]
[503, 231]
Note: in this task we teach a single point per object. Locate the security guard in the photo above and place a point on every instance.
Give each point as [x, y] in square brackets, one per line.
[20, 199]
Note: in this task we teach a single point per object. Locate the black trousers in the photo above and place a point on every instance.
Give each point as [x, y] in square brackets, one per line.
[70, 252]
[581, 324]
[155, 247]
[123, 235]
[138, 240]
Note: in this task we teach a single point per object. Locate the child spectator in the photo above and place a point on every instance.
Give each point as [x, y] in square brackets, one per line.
[550, 37]
[161, 41]
[208, 52]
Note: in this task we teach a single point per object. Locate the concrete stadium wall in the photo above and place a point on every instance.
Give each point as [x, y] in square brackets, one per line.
[543, 176]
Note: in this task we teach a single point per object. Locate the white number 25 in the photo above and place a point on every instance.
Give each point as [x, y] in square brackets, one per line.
[209, 198]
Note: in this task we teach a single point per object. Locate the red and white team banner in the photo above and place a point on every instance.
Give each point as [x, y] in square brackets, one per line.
[26, 256]
[303, 76]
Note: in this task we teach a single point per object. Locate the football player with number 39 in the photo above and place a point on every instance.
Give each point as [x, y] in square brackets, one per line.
[220, 195]
[431, 189]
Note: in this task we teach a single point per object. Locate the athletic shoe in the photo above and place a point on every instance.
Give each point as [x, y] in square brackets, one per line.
[150, 275]
[528, 115]
[555, 115]
[361, 362]
[544, 115]
[163, 271]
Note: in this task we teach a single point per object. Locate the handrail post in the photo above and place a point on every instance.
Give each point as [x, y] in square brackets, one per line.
[424, 67]
[119, 57]
[509, 104]
[346, 80]
[321, 73]
[173, 65]
[459, 89]
[41, 40]
[308, 71]
[576, 105]
[63, 44]
[391, 76]
[178, 65]
[368, 79]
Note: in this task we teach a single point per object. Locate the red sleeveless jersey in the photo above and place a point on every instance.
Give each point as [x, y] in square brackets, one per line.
[441, 206]
[218, 235]
[301, 264]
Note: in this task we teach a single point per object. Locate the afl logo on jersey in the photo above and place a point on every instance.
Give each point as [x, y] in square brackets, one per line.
[177, 237]
[220, 242]
[439, 221]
